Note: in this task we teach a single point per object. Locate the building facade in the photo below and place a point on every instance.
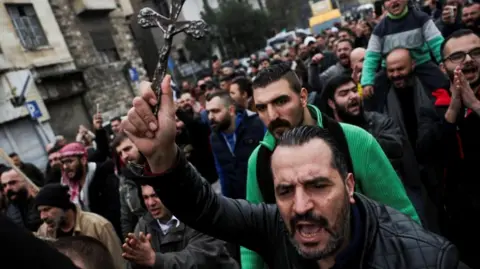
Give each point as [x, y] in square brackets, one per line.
[31, 43]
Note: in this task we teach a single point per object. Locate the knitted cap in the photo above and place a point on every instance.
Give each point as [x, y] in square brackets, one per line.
[54, 195]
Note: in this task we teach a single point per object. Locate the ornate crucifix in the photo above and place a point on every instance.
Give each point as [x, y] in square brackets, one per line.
[148, 18]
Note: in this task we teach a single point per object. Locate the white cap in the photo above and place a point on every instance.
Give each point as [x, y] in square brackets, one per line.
[308, 40]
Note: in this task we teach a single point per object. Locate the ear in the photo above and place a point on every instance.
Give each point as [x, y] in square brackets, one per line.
[231, 110]
[350, 185]
[331, 104]
[442, 67]
[304, 97]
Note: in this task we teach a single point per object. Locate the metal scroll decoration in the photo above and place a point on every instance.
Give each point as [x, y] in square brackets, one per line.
[149, 18]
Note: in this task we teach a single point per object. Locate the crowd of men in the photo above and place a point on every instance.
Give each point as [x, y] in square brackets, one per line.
[354, 148]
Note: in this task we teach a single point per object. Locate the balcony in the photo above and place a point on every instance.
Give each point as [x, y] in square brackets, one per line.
[93, 6]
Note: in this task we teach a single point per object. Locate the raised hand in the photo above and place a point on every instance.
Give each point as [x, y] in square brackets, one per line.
[465, 91]
[141, 252]
[153, 136]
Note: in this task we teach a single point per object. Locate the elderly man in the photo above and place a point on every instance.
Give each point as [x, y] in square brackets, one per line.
[21, 208]
[61, 218]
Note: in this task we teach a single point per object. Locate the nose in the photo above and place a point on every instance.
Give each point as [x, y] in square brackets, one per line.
[272, 112]
[303, 202]
[43, 215]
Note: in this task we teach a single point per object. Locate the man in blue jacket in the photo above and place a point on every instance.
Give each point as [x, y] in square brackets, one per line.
[235, 134]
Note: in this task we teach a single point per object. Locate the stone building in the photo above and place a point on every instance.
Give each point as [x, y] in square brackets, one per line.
[31, 46]
[107, 64]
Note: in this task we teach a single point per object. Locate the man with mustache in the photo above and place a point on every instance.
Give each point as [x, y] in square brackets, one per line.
[62, 218]
[343, 103]
[461, 52]
[235, 135]
[93, 186]
[342, 51]
[318, 220]
[21, 208]
[281, 103]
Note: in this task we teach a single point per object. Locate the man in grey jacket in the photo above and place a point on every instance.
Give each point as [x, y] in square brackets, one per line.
[162, 241]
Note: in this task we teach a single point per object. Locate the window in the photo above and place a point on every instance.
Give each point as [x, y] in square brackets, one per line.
[105, 46]
[27, 25]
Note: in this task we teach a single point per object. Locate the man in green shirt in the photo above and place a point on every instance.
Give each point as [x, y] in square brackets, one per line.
[281, 103]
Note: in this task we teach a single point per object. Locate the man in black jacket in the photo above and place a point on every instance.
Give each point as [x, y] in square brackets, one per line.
[318, 221]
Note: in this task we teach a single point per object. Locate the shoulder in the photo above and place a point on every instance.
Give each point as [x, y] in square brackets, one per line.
[420, 16]
[352, 131]
[89, 218]
[380, 27]
[398, 231]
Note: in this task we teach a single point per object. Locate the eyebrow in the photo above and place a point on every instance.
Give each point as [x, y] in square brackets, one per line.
[275, 99]
[315, 180]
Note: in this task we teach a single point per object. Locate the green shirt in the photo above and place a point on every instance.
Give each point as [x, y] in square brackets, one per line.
[374, 176]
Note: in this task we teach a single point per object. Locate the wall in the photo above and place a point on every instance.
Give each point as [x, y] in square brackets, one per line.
[16, 79]
[55, 52]
[106, 84]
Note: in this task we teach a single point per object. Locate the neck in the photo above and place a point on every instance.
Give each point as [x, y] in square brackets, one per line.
[165, 219]
[245, 104]
[307, 118]
[404, 12]
[69, 221]
[337, 117]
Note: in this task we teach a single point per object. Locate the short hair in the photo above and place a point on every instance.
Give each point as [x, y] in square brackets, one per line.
[89, 250]
[117, 118]
[346, 40]
[223, 95]
[335, 82]
[303, 134]
[55, 148]
[396, 49]
[119, 138]
[276, 72]
[244, 85]
[454, 35]
[348, 30]
[13, 154]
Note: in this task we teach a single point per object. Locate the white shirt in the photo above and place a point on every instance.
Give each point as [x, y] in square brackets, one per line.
[173, 222]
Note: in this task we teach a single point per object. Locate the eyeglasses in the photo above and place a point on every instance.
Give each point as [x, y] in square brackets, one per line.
[459, 57]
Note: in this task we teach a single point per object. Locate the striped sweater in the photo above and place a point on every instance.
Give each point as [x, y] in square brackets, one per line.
[412, 30]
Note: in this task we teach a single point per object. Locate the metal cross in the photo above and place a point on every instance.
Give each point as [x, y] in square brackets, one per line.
[148, 18]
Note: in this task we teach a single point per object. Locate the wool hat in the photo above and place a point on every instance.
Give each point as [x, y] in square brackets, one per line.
[55, 195]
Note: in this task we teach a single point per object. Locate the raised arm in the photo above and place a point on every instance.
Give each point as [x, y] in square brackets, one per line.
[181, 188]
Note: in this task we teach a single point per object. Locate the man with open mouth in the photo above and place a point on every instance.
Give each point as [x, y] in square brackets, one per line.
[318, 220]
[403, 27]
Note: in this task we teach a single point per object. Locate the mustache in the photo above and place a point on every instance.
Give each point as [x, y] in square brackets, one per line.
[319, 220]
[398, 78]
[277, 123]
[11, 193]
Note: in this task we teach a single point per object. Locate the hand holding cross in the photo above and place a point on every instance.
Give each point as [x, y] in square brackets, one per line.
[148, 18]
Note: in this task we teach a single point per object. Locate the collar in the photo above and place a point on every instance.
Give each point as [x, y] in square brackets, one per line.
[172, 223]
[351, 253]
[269, 141]
[401, 15]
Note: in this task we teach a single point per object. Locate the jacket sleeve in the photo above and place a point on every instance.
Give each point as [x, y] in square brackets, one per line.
[103, 149]
[110, 239]
[127, 218]
[201, 252]
[389, 136]
[434, 39]
[250, 259]
[192, 200]
[373, 57]
[450, 258]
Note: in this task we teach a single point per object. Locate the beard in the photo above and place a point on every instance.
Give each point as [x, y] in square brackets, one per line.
[284, 125]
[222, 125]
[20, 195]
[348, 117]
[55, 223]
[338, 233]
[78, 174]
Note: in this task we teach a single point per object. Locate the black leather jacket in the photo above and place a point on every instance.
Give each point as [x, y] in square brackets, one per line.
[392, 240]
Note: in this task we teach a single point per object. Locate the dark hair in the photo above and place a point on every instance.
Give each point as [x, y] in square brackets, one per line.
[225, 96]
[116, 119]
[348, 30]
[275, 73]
[119, 138]
[346, 40]
[244, 84]
[89, 250]
[335, 82]
[454, 35]
[209, 85]
[303, 134]
[13, 154]
[55, 148]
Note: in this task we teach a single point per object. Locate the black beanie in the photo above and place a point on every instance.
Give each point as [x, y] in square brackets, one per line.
[55, 195]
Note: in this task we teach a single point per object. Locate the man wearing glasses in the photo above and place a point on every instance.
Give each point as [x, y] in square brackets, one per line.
[461, 54]
[21, 208]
